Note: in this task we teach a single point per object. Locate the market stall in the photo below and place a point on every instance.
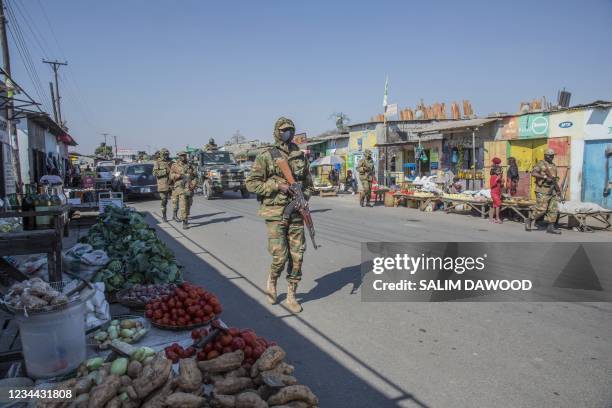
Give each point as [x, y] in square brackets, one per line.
[322, 168]
[585, 217]
[171, 348]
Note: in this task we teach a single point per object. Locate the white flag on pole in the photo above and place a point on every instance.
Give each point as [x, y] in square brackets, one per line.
[391, 110]
[386, 92]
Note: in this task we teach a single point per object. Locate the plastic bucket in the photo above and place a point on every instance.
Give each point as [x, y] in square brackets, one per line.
[54, 342]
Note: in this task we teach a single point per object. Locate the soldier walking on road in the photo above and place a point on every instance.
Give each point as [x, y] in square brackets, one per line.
[184, 180]
[286, 241]
[547, 190]
[161, 170]
[365, 168]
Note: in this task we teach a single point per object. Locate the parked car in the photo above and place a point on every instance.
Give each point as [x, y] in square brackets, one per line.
[135, 179]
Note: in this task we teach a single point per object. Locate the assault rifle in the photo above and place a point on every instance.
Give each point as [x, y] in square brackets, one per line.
[299, 202]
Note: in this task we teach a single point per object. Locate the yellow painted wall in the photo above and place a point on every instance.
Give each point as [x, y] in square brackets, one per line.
[368, 138]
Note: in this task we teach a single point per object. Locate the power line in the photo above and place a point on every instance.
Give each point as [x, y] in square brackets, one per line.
[38, 37]
[25, 55]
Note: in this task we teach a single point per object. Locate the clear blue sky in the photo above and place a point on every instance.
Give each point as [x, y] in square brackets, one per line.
[171, 73]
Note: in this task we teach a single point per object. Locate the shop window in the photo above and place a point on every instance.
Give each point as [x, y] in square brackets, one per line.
[393, 163]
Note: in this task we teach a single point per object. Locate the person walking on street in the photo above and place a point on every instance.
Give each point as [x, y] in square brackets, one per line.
[286, 240]
[184, 180]
[365, 168]
[161, 170]
[496, 184]
[512, 176]
[545, 175]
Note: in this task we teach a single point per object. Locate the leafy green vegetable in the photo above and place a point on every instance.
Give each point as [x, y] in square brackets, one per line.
[137, 255]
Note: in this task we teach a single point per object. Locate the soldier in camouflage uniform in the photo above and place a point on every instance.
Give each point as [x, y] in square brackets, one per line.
[211, 146]
[161, 170]
[286, 241]
[547, 189]
[365, 168]
[184, 180]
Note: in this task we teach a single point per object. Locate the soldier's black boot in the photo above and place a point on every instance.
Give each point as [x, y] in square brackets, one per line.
[164, 215]
[175, 215]
[185, 224]
[550, 228]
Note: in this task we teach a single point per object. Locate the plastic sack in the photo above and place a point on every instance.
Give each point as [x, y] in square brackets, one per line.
[97, 308]
[82, 260]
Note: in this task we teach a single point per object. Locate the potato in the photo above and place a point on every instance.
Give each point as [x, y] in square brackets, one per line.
[103, 393]
[134, 369]
[222, 364]
[113, 403]
[250, 400]
[293, 393]
[270, 358]
[158, 398]
[83, 386]
[184, 400]
[232, 385]
[125, 380]
[265, 392]
[239, 372]
[152, 376]
[225, 401]
[268, 376]
[190, 377]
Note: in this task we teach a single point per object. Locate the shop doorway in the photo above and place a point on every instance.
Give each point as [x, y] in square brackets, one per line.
[597, 173]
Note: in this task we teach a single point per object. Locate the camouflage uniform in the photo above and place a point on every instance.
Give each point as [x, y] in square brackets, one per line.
[161, 170]
[182, 188]
[547, 203]
[286, 240]
[365, 168]
[211, 146]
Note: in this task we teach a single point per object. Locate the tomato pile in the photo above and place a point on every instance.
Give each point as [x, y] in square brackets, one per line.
[187, 305]
[175, 352]
[230, 340]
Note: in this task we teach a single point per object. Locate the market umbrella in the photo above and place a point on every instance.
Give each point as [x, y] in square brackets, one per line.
[327, 161]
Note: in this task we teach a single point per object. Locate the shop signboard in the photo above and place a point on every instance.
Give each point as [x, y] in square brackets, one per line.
[533, 126]
[563, 124]
[510, 128]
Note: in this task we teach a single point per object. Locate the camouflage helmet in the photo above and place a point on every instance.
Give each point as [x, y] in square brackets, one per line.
[211, 141]
[181, 153]
[549, 152]
[163, 152]
[282, 123]
[368, 152]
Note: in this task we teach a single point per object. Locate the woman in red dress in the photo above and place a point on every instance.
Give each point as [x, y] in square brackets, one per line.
[496, 184]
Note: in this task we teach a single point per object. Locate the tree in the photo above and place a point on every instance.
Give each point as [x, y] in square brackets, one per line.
[104, 151]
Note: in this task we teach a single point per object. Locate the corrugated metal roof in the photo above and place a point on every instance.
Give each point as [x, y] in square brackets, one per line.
[454, 125]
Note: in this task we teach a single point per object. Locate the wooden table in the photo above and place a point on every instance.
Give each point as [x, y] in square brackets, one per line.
[602, 216]
[523, 210]
[47, 241]
[422, 202]
[481, 207]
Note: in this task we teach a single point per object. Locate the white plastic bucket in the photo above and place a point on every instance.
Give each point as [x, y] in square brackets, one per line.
[53, 343]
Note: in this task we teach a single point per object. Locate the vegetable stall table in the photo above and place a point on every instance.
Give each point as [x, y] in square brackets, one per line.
[481, 207]
[420, 202]
[603, 216]
[524, 209]
[47, 241]
[379, 194]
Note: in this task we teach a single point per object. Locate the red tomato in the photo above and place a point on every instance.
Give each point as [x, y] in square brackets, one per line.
[149, 313]
[257, 352]
[212, 354]
[226, 339]
[196, 334]
[238, 343]
[200, 314]
[158, 314]
[200, 291]
[249, 337]
[227, 350]
[207, 348]
[207, 296]
[201, 356]
[197, 320]
[204, 331]
[172, 303]
[218, 346]
[248, 351]
[165, 298]
[262, 342]
[164, 307]
[217, 309]
[167, 316]
[213, 301]
[208, 309]
[181, 312]
[181, 294]
[233, 331]
[188, 302]
[171, 355]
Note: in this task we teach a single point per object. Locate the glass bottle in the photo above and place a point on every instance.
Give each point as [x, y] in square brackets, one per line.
[27, 204]
[43, 203]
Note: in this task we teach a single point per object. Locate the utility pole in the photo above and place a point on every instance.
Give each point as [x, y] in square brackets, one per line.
[55, 65]
[53, 100]
[115, 137]
[105, 135]
[11, 125]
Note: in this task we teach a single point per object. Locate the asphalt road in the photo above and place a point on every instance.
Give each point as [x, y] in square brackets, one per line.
[356, 354]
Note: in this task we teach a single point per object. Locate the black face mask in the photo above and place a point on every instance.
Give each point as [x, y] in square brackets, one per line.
[287, 135]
